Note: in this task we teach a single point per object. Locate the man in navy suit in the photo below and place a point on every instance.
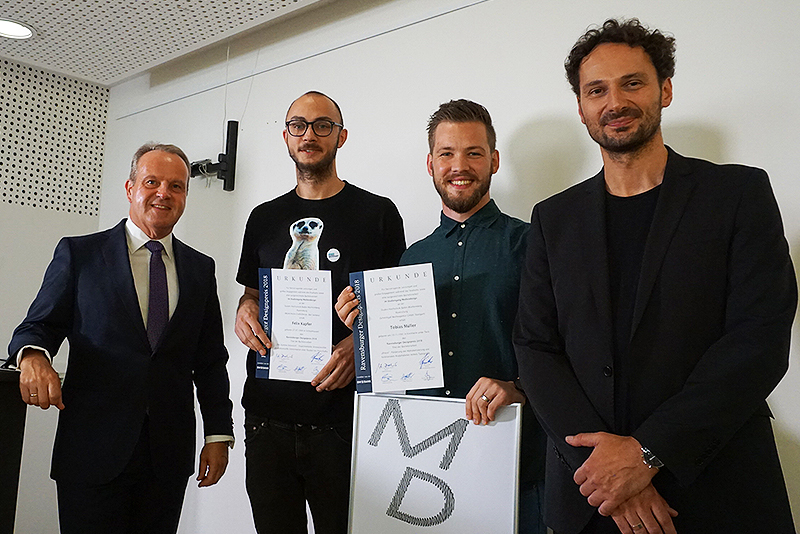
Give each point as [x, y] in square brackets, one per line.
[656, 307]
[141, 313]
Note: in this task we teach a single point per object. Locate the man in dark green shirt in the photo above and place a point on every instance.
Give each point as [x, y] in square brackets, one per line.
[477, 253]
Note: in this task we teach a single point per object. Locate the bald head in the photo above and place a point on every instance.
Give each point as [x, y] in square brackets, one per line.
[335, 111]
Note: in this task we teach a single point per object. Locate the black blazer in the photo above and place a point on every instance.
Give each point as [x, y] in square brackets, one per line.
[710, 340]
[113, 378]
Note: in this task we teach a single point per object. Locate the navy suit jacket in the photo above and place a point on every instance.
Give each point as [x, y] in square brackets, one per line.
[710, 340]
[114, 379]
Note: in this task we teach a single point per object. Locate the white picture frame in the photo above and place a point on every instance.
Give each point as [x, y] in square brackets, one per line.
[419, 466]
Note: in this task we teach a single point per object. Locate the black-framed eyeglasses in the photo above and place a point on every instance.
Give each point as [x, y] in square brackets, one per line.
[321, 127]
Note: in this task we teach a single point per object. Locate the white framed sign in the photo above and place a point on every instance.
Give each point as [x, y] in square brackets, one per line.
[418, 462]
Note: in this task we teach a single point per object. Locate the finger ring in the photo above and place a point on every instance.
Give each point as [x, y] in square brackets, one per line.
[637, 526]
[34, 395]
[485, 398]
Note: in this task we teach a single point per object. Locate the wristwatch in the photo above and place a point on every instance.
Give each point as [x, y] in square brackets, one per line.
[518, 385]
[650, 459]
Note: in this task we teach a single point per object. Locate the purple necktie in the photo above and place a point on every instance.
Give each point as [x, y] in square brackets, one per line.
[158, 305]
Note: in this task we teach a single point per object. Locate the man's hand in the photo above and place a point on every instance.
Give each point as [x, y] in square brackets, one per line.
[340, 369]
[213, 462]
[39, 384]
[646, 512]
[487, 395]
[345, 306]
[613, 473]
[248, 328]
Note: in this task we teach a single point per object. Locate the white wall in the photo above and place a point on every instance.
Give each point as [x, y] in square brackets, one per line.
[389, 64]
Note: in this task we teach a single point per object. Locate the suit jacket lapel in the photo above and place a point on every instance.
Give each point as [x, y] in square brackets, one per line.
[188, 286]
[590, 250]
[594, 248]
[675, 191]
[115, 256]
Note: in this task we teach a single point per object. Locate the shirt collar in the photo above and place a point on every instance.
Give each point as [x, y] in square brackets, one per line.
[137, 239]
[484, 217]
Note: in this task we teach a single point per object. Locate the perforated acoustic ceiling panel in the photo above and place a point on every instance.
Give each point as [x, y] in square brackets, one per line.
[107, 41]
[52, 132]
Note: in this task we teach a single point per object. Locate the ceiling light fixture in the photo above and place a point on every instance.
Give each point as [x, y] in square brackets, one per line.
[15, 30]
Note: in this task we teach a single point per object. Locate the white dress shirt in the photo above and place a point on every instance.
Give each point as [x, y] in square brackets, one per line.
[140, 267]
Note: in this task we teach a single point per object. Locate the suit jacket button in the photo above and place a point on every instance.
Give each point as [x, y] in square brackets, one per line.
[608, 371]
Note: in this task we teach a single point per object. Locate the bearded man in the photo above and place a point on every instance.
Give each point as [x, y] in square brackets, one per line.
[298, 435]
[477, 253]
[655, 314]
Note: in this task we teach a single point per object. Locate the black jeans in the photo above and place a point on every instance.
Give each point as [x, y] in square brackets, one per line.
[289, 464]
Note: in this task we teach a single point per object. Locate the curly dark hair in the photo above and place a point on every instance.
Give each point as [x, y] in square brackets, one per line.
[660, 47]
[461, 111]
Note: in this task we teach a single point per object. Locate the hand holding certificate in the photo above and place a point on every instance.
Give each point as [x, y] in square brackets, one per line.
[396, 332]
[295, 312]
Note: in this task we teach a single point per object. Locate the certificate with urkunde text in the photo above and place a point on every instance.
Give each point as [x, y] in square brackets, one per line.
[396, 332]
[295, 310]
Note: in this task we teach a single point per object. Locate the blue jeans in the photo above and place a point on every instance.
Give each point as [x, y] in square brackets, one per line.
[531, 506]
[531, 487]
[289, 464]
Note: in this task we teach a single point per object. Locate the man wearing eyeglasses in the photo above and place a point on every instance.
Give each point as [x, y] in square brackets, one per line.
[298, 436]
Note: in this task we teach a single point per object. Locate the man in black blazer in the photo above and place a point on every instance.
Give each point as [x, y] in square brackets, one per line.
[655, 313]
[125, 442]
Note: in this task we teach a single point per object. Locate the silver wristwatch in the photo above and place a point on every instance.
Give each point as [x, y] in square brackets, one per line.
[650, 459]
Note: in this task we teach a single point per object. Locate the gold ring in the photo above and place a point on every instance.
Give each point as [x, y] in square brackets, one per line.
[34, 395]
[637, 527]
[485, 398]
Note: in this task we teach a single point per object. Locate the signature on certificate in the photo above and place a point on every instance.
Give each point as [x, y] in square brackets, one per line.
[386, 378]
[426, 362]
[427, 377]
[317, 357]
[300, 369]
[283, 368]
[387, 365]
[407, 376]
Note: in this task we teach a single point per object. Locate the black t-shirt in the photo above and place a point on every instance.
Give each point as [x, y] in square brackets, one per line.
[361, 231]
[628, 221]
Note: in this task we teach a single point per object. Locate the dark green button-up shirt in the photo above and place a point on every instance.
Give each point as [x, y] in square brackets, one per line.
[476, 271]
